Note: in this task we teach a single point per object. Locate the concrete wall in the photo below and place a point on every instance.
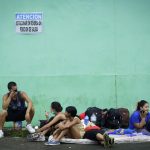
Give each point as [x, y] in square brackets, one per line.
[90, 53]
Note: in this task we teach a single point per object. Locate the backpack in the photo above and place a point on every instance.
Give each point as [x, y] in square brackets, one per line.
[113, 119]
[124, 112]
[99, 113]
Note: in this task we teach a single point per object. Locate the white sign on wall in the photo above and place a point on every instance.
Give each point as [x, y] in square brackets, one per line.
[29, 23]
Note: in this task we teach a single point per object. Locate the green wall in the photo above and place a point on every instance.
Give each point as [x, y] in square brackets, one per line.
[90, 53]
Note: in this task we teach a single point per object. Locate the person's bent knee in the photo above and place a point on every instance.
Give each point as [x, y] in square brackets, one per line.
[3, 113]
[32, 110]
[27, 118]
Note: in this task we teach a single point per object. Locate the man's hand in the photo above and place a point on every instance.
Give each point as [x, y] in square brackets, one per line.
[12, 94]
[7, 98]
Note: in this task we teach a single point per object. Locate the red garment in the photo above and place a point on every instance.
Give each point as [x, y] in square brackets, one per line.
[82, 115]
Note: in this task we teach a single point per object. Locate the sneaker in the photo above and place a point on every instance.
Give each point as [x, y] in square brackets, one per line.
[111, 141]
[108, 141]
[41, 138]
[50, 138]
[52, 142]
[30, 128]
[33, 137]
[1, 134]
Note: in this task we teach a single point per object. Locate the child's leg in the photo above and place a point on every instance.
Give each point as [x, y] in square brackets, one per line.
[100, 137]
[95, 135]
[57, 137]
[108, 141]
[61, 135]
[73, 132]
[45, 131]
[104, 139]
[56, 132]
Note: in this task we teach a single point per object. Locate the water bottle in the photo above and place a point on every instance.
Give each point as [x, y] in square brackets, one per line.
[18, 125]
[93, 118]
[36, 128]
[86, 120]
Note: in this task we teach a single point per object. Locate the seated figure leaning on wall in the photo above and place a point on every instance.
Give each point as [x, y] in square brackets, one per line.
[49, 126]
[14, 108]
[140, 119]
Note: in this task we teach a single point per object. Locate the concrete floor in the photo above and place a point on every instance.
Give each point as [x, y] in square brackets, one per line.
[11, 143]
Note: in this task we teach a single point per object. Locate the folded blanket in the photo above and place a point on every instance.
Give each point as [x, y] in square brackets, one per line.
[123, 131]
[130, 139]
[118, 139]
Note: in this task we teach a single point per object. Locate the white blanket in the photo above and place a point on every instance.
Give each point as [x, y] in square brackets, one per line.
[78, 141]
[138, 138]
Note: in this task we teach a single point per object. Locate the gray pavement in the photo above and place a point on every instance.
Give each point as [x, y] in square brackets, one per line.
[12, 143]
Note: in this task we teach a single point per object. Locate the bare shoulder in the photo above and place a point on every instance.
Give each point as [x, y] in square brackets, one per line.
[23, 93]
[61, 115]
[77, 119]
[5, 96]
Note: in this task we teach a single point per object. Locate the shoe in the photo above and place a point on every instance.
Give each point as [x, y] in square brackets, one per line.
[33, 137]
[108, 141]
[1, 134]
[50, 138]
[111, 141]
[52, 142]
[30, 128]
[41, 138]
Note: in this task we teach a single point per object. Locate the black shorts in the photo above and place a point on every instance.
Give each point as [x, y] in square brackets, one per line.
[91, 135]
[18, 115]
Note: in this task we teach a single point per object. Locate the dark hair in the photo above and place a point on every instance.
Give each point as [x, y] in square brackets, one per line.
[141, 104]
[56, 106]
[71, 110]
[10, 84]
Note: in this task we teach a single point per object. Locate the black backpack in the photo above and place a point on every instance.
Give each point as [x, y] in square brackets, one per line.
[124, 112]
[113, 119]
[99, 113]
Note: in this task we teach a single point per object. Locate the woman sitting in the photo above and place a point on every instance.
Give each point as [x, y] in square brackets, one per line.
[140, 119]
[56, 109]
